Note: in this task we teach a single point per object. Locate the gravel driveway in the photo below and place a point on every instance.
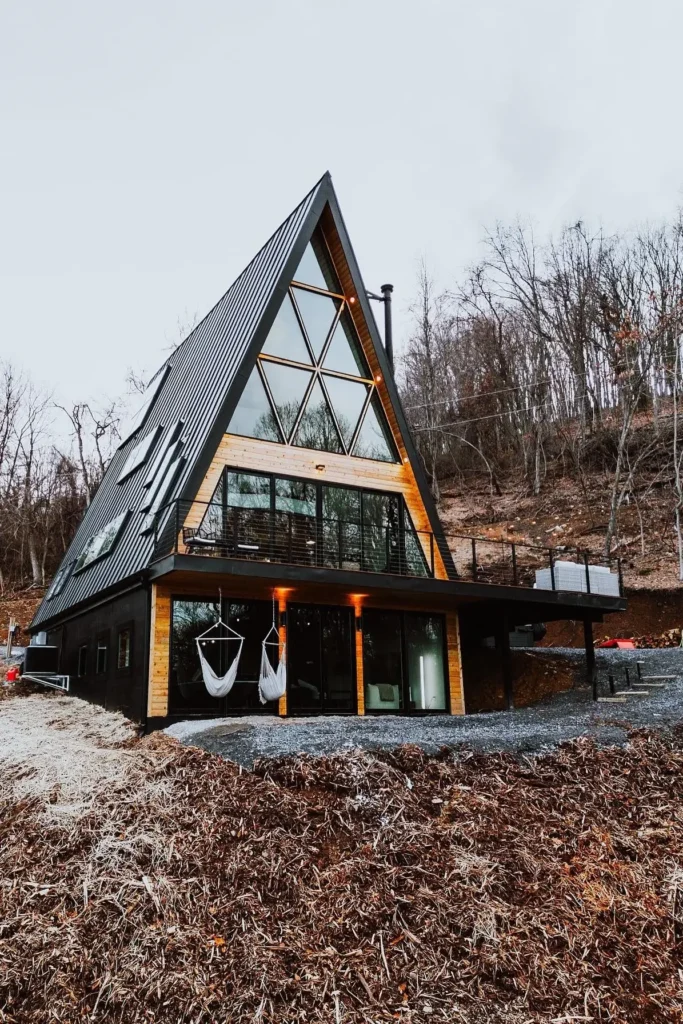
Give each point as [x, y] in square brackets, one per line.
[542, 726]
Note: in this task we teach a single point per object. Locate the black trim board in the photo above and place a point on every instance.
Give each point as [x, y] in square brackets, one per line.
[456, 593]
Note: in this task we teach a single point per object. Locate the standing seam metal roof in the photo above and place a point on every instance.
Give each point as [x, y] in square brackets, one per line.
[202, 371]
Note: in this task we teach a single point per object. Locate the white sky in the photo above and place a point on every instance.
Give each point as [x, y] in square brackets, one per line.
[148, 148]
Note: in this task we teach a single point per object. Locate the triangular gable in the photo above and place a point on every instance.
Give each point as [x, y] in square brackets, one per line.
[316, 375]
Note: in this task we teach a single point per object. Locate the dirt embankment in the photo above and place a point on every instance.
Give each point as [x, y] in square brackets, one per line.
[20, 605]
[649, 611]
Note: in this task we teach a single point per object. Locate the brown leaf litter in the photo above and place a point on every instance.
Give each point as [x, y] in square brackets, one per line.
[154, 882]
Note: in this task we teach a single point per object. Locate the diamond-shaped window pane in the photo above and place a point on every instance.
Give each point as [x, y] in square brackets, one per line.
[318, 313]
[374, 439]
[253, 416]
[285, 338]
[288, 387]
[347, 398]
[344, 353]
[316, 428]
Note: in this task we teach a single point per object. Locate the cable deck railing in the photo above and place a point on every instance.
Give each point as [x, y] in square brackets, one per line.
[214, 530]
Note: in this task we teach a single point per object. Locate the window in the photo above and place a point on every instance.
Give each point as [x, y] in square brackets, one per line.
[59, 580]
[162, 457]
[307, 522]
[162, 493]
[102, 543]
[123, 649]
[101, 654]
[147, 400]
[311, 386]
[139, 454]
[83, 660]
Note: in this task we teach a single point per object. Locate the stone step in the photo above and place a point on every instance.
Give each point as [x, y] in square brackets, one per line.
[650, 679]
[611, 700]
[652, 686]
[631, 693]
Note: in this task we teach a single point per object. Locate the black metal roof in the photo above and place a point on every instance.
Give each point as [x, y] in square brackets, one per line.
[204, 381]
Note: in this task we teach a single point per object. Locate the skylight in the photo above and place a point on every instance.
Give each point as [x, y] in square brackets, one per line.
[166, 481]
[147, 400]
[102, 543]
[139, 455]
[59, 580]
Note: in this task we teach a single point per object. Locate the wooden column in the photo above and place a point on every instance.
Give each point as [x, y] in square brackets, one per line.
[282, 607]
[159, 653]
[360, 685]
[455, 684]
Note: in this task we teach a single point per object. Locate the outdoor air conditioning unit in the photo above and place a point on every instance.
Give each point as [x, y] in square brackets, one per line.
[572, 576]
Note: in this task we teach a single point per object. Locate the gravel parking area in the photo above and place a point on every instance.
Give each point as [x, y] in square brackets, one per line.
[563, 717]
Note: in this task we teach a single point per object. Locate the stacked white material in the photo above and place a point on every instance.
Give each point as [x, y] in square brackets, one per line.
[572, 576]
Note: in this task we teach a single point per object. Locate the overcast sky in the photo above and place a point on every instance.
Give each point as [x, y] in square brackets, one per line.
[149, 148]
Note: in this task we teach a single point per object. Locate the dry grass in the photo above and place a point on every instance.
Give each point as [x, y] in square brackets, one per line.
[357, 888]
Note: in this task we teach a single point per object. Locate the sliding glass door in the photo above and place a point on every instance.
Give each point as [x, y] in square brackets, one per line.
[321, 664]
[187, 692]
[404, 665]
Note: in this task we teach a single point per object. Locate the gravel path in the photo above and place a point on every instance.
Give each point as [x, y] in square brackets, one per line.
[540, 727]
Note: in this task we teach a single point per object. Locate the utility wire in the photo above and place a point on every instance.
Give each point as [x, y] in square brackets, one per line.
[485, 394]
[491, 416]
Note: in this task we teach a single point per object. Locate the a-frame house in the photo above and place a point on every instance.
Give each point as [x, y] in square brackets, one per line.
[270, 477]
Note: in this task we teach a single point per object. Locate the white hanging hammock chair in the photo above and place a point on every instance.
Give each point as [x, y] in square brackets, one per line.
[219, 686]
[272, 682]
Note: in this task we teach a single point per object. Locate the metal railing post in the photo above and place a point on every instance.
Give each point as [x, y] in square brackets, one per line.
[514, 565]
[431, 552]
[474, 559]
[588, 572]
[552, 569]
[621, 578]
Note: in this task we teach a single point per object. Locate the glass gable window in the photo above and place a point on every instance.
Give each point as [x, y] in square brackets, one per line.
[253, 416]
[311, 386]
[101, 543]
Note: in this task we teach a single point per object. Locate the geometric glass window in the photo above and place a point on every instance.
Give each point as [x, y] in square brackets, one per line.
[59, 581]
[253, 416]
[343, 353]
[285, 338]
[317, 428]
[374, 440]
[288, 387]
[311, 386]
[348, 399]
[101, 543]
[318, 313]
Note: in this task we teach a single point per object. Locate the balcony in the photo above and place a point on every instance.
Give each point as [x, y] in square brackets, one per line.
[266, 535]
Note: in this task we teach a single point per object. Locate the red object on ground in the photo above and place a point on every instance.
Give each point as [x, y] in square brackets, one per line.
[12, 674]
[627, 644]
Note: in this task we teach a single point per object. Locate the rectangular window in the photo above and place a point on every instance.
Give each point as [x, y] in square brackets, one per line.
[425, 662]
[139, 455]
[101, 655]
[83, 660]
[123, 649]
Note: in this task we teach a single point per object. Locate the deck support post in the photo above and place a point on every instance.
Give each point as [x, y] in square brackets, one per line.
[505, 658]
[591, 674]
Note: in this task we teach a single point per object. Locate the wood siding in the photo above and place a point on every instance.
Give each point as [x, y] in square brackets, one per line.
[159, 652]
[269, 457]
[457, 693]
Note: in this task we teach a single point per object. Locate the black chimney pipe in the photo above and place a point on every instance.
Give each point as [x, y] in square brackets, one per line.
[386, 290]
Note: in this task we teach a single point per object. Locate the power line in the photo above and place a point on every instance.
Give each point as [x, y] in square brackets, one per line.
[490, 416]
[485, 394]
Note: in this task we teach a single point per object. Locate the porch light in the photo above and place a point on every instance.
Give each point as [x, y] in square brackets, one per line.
[352, 299]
